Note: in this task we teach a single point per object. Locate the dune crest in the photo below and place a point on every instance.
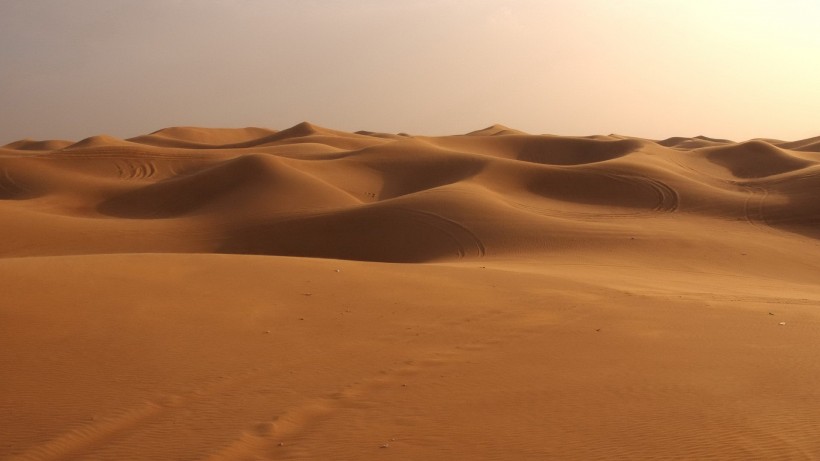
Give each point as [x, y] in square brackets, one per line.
[98, 141]
[201, 138]
[30, 144]
[755, 159]
[495, 130]
[304, 129]
[805, 145]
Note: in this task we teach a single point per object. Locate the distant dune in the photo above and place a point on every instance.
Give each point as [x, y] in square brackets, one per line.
[201, 293]
[327, 193]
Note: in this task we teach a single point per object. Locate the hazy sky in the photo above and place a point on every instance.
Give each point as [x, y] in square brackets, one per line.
[654, 68]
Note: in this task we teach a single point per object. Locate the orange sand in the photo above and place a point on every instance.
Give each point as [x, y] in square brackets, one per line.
[239, 294]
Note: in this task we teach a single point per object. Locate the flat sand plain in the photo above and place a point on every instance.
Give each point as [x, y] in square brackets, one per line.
[244, 294]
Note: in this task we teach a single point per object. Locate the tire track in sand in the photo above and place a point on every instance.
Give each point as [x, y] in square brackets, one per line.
[273, 439]
[668, 201]
[132, 169]
[467, 242]
[9, 188]
[81, 441]
[753, 207]
[76, 441]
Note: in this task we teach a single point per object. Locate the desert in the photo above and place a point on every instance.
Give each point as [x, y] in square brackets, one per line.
[312, 293]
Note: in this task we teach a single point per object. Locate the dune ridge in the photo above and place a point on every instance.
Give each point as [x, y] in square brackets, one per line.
[310, 179]
[308, 293]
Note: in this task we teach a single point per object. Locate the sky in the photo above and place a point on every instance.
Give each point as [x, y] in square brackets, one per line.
[736, 69]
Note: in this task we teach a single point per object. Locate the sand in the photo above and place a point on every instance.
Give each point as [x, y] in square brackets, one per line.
[242, 294]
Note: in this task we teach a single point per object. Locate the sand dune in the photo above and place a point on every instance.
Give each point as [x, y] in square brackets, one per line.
[550, 150]
[806, 145]
[687, 143]
[98, 141]
[30, 144]
[515, 185]
[202, 138]
[755, 159]
[203, 293]
[258, 181]
[495, 130]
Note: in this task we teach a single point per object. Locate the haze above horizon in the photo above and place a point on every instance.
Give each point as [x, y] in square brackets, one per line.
[731, 69]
